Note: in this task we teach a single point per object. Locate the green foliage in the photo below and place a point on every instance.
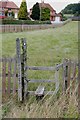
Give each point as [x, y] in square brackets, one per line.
[22, 15]
[12, 14]
[6, 12]
[45, 14]
[29, 22]
[63, 17]
[72, 9]
[36, 12]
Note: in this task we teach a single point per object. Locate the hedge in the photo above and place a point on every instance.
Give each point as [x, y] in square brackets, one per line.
[29, 22]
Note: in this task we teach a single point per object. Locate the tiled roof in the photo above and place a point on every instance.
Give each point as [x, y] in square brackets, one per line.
[8, 4]
[46, 5]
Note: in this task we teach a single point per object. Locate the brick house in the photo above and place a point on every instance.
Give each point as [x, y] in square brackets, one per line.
[53, 14]
[10, 7]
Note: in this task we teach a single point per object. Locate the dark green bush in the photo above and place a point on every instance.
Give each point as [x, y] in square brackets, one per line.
[36, 12]
[28, 22]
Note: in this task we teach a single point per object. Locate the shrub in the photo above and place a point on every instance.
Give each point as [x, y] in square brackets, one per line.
[22, 15]
[29, 22]
[45, 14]
[36, 12]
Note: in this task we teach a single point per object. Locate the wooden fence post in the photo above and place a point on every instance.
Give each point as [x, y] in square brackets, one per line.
[14, 76]
[66, 86]
[9, 76]
[66, 74]
[4, 76]
[18, 52]
[24, 72]
[74, 77]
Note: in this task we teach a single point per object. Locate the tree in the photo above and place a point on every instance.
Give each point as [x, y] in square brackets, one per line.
[72, 9]
[6, 12]
[12, 13]
[45, 14]
[36, 12]
[23, 11]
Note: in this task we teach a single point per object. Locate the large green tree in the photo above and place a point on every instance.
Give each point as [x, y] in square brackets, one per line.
[72, 9]
[22, 15]
[45, 14]
[36, 12]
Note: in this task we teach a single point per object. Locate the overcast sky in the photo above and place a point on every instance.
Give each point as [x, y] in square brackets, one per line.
[58, 5]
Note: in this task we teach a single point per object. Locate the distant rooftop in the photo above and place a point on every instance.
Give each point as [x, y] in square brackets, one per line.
[8, 4]
[46, 5]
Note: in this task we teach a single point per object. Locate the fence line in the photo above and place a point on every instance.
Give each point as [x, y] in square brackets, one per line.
[10, 76]
[22, 28]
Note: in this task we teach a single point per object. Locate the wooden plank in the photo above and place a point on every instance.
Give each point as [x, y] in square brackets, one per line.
[9, 76]
[41, 81]
[57, 80]
[69, 78]
[4, 77]
[18, 53]
[39, 91]
[43, 68]
[45, 92]
[14, 77]
[65, 74]
[74, 77]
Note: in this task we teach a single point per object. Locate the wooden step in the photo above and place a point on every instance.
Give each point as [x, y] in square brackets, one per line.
[39, 91]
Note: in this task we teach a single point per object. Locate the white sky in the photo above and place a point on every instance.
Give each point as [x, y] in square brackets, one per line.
[58, 5]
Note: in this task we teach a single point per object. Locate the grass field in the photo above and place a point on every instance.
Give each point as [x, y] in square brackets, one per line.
[45, 48]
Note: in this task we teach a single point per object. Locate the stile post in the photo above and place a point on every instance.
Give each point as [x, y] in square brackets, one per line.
[18, 53]
[24, 72]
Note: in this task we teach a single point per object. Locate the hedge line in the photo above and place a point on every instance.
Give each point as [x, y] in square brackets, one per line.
[29, 22]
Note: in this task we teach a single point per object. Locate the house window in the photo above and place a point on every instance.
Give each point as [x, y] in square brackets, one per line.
[9, 8]
[9, 14]
[0, 13]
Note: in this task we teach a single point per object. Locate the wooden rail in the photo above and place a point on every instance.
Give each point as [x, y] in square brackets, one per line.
[44, 68]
